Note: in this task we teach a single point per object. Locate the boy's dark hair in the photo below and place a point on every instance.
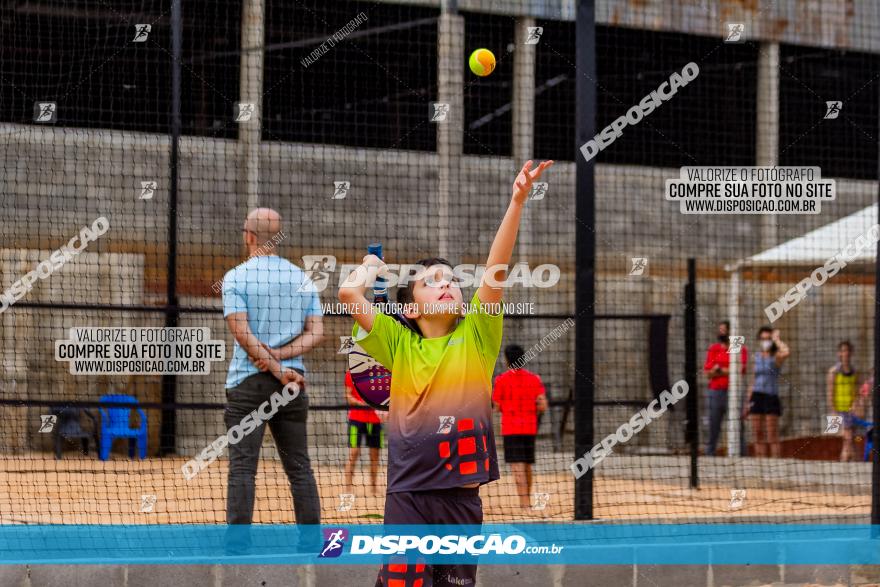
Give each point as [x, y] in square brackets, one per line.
[513, 354]
[405, 294]
[845, 343]
[726, 323]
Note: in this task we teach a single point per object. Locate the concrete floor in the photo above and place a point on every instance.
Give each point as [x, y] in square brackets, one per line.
[489, 576]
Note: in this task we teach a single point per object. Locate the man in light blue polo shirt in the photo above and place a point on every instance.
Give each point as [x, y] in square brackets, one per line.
[274, 313]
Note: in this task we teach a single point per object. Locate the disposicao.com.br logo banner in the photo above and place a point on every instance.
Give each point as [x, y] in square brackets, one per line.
[435, 543]
[570, 543]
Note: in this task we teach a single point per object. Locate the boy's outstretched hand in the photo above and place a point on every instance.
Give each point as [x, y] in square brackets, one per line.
[505, 238]
[523, 183]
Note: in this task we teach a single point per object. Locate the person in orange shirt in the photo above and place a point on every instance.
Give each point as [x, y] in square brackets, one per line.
[364, 427]
[521, 397]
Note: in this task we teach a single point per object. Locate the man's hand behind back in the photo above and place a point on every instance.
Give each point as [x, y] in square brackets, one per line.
[293, 376]
[287, 375]
[260, 363]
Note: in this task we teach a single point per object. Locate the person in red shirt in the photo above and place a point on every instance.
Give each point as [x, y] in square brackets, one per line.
[717, 369]
[364, 427]
[521, 397]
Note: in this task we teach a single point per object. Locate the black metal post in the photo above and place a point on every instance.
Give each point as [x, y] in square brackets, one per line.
[168, 429]
[875, 455]
[692, 429]
[585, 251]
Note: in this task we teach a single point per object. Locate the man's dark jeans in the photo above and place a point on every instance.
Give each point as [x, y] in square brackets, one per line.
[288, 428]
[717, 409]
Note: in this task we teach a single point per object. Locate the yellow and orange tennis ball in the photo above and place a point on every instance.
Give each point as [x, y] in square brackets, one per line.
[482, 62]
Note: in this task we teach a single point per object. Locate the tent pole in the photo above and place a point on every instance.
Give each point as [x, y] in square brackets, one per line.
[733, 395]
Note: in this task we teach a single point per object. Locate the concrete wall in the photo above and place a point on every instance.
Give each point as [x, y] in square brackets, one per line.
[49, 195]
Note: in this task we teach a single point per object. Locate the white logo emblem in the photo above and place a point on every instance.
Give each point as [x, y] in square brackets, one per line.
[148, 188]
[833, 424]
[334, 542]
[141, 31]
[832, 109]
[244, 112]
[47, 423]
[734, 32]
[346, 500]
[639, 264]
[446, 423]
[45, 112]
[736, 343]
[737, 497]
[346, 343]
[147, 503]
[340, 189]
[318, 269]
[439, 111]
[541, 500]
[539, 190]
[535, 33]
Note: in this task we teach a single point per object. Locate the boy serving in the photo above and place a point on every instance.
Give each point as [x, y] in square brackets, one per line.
[441, 447]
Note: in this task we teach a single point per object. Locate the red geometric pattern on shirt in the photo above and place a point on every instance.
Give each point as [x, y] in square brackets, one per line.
[466, 446]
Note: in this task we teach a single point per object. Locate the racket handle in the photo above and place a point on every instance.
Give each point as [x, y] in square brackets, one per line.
[380, 290]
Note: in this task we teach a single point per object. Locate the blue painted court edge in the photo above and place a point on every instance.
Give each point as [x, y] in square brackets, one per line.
[581, 544]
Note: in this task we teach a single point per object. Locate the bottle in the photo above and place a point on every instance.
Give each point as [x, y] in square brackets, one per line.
[380, 287]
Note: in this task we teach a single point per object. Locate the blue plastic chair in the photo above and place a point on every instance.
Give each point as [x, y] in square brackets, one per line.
[115, 424]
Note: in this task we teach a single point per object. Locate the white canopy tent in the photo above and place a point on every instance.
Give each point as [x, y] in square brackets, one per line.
[811, 249]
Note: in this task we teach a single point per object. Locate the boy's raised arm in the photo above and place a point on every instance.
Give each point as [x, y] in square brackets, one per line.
[353, 291]
[505, 238]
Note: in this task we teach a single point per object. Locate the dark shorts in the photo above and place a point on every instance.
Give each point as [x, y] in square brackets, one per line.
[519, 448]
[765, 404]
[360, 433]
[438, 506]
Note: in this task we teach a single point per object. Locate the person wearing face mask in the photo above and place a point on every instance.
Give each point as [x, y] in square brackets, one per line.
[762, 403]
[717, 370]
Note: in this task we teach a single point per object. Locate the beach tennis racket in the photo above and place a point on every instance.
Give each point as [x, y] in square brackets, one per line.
[371, 379]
